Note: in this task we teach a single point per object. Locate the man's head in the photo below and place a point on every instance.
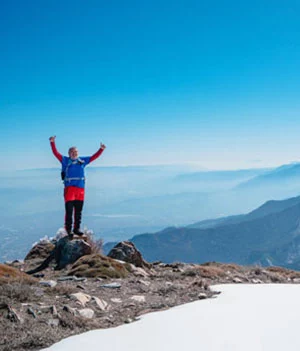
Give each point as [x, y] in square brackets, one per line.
[73, 153]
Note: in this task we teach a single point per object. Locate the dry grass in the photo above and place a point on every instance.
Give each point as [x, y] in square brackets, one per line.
[96, 245]
[211, 272]
[16, 292]
[232, 267]
[10, 274]
[97, 265]
[63, 289]
[284, 272]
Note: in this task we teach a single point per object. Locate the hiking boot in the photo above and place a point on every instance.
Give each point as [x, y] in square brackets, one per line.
[77, 231]
[70, 236]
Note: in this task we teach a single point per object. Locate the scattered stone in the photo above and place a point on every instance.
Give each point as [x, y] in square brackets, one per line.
[45, 308]
[13, 315]
[62, 279]
[103, 305]
[87, 313]
[237, 280]
[81, 297]
[138, 298]
[48, 283]
[126, 251]
[202, 296]
[296, 280]
[116, 300]
[256, 281]
[53, 310]
[79, 286]
[144, 282]
[38, 275]
[72, 277]
[111, 285]
[31, 311]
[69, 309]
[129, 305]
[53, 322]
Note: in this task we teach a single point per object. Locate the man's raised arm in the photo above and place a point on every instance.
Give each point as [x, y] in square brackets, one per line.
[98, 153]
[54, 149]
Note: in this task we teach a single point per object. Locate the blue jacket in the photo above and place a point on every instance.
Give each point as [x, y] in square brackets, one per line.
[74, 171]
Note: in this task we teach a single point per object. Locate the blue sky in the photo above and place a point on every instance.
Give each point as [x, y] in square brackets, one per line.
[215, 83]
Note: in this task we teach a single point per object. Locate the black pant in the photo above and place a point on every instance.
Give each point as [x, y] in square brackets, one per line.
[76, 207]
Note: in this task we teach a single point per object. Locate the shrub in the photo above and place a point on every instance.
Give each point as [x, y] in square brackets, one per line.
[97, 265]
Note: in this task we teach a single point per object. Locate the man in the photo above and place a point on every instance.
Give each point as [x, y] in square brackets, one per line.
[74, 181]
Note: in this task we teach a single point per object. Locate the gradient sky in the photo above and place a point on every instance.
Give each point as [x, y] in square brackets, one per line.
[215, 83]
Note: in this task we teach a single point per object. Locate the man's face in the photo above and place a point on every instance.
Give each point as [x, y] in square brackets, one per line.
[73, 153]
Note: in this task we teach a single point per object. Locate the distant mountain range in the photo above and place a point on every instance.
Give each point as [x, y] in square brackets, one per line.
[124, 201]
[269, 235]
[287, 175]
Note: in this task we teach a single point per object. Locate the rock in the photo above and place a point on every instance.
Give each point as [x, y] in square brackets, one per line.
[48, 283]
[127, 252]
[13, 315]
[87, 313]
[63, 279]
[39, 275]
[256, 281]
[296, 280]
[139, 272]
[53, 322]
[65, 252]
[72, 277]
[69, 309]
[144, 282]
[138, 298]
[79, 286]
[103, 305]
[111, 285]
[31, 311]
[116, 300]
[41, 251]
[68, 251]
[81, 297]
[202, 296]
[54, 310]
[237, 280]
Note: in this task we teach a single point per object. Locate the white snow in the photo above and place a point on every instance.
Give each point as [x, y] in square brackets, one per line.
[244, 317]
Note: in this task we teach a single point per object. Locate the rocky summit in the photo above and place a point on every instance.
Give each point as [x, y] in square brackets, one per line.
[68, 287]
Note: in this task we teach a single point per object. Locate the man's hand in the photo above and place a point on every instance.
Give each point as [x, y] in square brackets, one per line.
[102, 146]
[52, 139]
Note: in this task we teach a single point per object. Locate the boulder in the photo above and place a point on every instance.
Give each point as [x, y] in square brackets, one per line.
[127, 252]
[40, 251]
[68, 251]
[64, 252]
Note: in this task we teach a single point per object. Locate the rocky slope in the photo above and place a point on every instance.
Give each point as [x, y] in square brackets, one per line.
[97, 291]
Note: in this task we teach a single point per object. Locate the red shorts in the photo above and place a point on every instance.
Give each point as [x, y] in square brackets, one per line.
[72, 193]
